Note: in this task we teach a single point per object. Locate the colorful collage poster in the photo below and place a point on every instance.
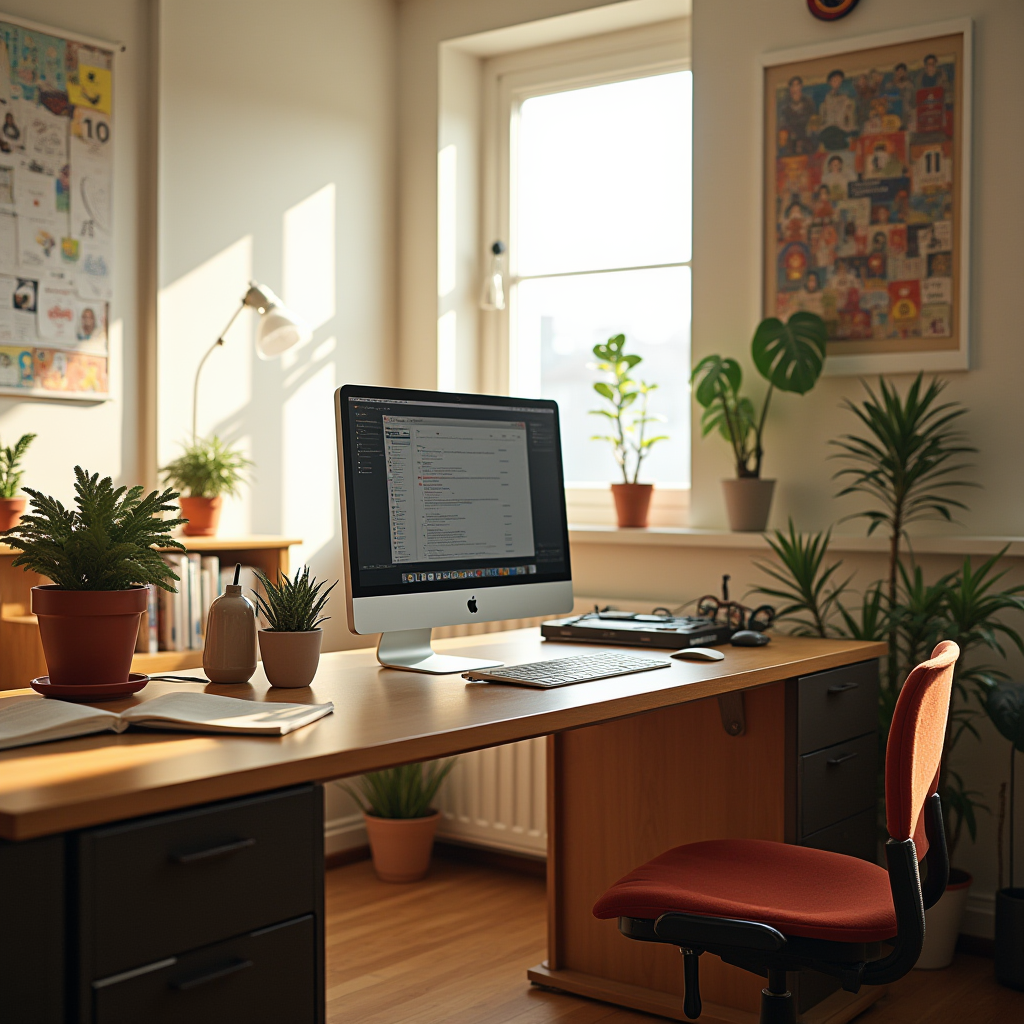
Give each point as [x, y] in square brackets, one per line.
[862, 202]
[56, 201]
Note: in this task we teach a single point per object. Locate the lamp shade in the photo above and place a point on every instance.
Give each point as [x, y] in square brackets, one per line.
[279, 330]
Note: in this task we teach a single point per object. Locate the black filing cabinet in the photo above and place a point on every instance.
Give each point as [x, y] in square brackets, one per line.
[214, 913]
[832, 775]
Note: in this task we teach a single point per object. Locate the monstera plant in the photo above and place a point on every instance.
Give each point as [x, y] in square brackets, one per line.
[790, 357]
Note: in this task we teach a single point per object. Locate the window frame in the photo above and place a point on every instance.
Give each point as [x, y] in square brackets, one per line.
[508, 81]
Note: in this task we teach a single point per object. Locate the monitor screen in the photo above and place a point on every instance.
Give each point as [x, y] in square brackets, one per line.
[445, 491]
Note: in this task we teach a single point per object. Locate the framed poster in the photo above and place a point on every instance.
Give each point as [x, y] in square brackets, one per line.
[866, 195]
[56, 204]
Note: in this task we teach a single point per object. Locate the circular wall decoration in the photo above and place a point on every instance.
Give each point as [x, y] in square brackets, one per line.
[830, 10]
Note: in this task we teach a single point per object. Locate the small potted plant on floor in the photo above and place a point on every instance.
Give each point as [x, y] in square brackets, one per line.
[290, 645]
[11, 504]
[628, 420]
[789, 356]
[100, 555]
[206, 470]
[400, 822]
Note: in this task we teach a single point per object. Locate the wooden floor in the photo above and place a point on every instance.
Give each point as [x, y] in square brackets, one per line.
[454, 949]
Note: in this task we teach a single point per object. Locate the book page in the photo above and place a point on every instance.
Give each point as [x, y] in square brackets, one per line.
[32, 719]
[210, 712]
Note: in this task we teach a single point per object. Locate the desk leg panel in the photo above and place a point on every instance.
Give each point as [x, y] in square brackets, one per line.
[628, 790]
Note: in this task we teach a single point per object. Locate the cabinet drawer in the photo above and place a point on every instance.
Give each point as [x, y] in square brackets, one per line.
[153, 887]
[836, 705]
[856, 836]
[265, 977]
[837, 782]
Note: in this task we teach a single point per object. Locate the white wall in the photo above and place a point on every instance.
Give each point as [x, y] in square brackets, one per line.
[107, 438]
[277, 163]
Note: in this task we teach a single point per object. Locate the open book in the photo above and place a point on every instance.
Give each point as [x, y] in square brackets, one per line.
[25, 720]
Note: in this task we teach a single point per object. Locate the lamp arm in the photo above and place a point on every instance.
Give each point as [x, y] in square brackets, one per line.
[202, 363]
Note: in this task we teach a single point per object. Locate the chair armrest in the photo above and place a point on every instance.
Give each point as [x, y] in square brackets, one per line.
[695, 931]
[937, 858]
[908, 902]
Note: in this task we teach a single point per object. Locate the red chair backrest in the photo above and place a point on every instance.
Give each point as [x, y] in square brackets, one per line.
[914, 750]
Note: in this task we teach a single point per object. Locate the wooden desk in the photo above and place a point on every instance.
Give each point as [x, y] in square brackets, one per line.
[636, 764]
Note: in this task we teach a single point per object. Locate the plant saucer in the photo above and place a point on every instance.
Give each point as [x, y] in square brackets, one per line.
[87, 693]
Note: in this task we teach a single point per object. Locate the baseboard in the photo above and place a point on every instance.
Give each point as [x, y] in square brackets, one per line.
[343, 834]
[975, 945]
[980, 916]
[489, 857]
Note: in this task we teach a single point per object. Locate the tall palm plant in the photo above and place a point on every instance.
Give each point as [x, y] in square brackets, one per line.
[907, 462]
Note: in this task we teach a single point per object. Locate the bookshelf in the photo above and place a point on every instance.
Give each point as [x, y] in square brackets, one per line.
[21, 654]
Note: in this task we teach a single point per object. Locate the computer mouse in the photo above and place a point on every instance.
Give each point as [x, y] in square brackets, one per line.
[698, 654]
[749, 638]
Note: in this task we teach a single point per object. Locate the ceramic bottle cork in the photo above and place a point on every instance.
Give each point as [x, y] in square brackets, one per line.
[230, 652]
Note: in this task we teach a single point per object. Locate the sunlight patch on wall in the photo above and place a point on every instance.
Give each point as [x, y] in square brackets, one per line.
[309, 257]
[446, 349]
[447, 204]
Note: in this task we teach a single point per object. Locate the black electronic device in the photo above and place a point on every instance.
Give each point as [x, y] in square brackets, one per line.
[750, 638]
[634, 630]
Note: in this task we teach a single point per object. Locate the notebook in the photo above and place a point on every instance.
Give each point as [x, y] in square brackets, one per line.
[32, 719]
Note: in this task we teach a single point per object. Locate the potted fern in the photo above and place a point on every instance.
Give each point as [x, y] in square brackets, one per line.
[628, 420]
[790, 357]
[290, 645]
[101, 556]
[400, 822]
[206, 470]
[11, 505]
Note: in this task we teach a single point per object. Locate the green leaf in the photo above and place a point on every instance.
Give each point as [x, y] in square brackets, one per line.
[790, 356]
[1005, 706]
[207, 468]
[604, 390]
[715, 376]
[293, 605]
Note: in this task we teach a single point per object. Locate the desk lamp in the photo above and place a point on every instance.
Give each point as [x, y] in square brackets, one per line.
[278, 330]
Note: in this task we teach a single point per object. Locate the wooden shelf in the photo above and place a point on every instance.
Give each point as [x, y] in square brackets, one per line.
[254, 542]
[167, 661]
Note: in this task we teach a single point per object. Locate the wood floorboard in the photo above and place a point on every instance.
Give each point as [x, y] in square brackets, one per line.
[454, 949]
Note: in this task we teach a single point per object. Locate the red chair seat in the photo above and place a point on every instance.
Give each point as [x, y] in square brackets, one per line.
[799, 891]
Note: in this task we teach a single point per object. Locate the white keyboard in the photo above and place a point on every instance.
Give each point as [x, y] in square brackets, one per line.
[582, 668]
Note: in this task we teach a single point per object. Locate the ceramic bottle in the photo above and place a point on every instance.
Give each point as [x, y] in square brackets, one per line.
[230, 652]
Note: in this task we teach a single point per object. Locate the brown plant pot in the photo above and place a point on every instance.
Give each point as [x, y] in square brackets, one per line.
[203, 515]
[401, 847]
[290, 659]
[11, 510]
[88, 635]
[632, 503]
[748, 503]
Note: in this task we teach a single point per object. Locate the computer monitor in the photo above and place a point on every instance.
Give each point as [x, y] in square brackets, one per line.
[453, 511]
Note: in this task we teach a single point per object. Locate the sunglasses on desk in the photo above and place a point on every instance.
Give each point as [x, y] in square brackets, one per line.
[738, 616]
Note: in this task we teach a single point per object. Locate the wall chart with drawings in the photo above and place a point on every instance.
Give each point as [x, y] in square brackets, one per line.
[56, 205]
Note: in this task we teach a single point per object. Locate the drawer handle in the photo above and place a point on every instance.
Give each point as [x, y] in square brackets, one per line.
[202, 979]
[839, 760]
[213, 851]
[842, 687]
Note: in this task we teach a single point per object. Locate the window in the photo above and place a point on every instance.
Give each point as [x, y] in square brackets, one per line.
[597, 208]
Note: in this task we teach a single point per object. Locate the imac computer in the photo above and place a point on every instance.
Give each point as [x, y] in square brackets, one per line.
[453, 511]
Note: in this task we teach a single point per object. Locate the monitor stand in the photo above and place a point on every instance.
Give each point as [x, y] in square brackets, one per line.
[410, 649]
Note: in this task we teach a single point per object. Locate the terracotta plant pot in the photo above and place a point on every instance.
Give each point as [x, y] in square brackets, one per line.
[290, 659]
[88, 635]
[10, 512]
[401, 847]
[203, 515]
[632, 503]
[748, 503]
[942, 922]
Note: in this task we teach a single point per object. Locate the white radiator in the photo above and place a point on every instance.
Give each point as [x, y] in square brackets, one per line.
[496, 798]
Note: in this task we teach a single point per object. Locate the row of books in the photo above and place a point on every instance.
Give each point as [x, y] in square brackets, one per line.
[177, 622]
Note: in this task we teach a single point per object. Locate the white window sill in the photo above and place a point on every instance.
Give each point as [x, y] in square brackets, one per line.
[689, 537]
[592, 505]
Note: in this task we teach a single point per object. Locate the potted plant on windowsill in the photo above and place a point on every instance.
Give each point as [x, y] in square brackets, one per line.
[206, 470]
[400, 823]
[290, 645]
[11, 505]
[628, 419]
[789, 356]
[100, 555]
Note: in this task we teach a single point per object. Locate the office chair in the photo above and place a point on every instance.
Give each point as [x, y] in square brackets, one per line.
[770, 907]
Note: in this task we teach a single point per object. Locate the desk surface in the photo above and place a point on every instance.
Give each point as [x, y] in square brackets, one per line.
[382, 717]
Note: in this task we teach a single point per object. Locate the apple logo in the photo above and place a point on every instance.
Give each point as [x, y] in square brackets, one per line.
[471, 605]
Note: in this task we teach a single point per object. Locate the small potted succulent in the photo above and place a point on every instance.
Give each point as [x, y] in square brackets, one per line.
[290, 645]
[628, 419]
[206, 470]
[101, 556]
[790, 357]
[11, 505]
[400, 822]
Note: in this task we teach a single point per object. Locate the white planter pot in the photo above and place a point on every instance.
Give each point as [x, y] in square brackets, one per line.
[942, 923]
[748, 503]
